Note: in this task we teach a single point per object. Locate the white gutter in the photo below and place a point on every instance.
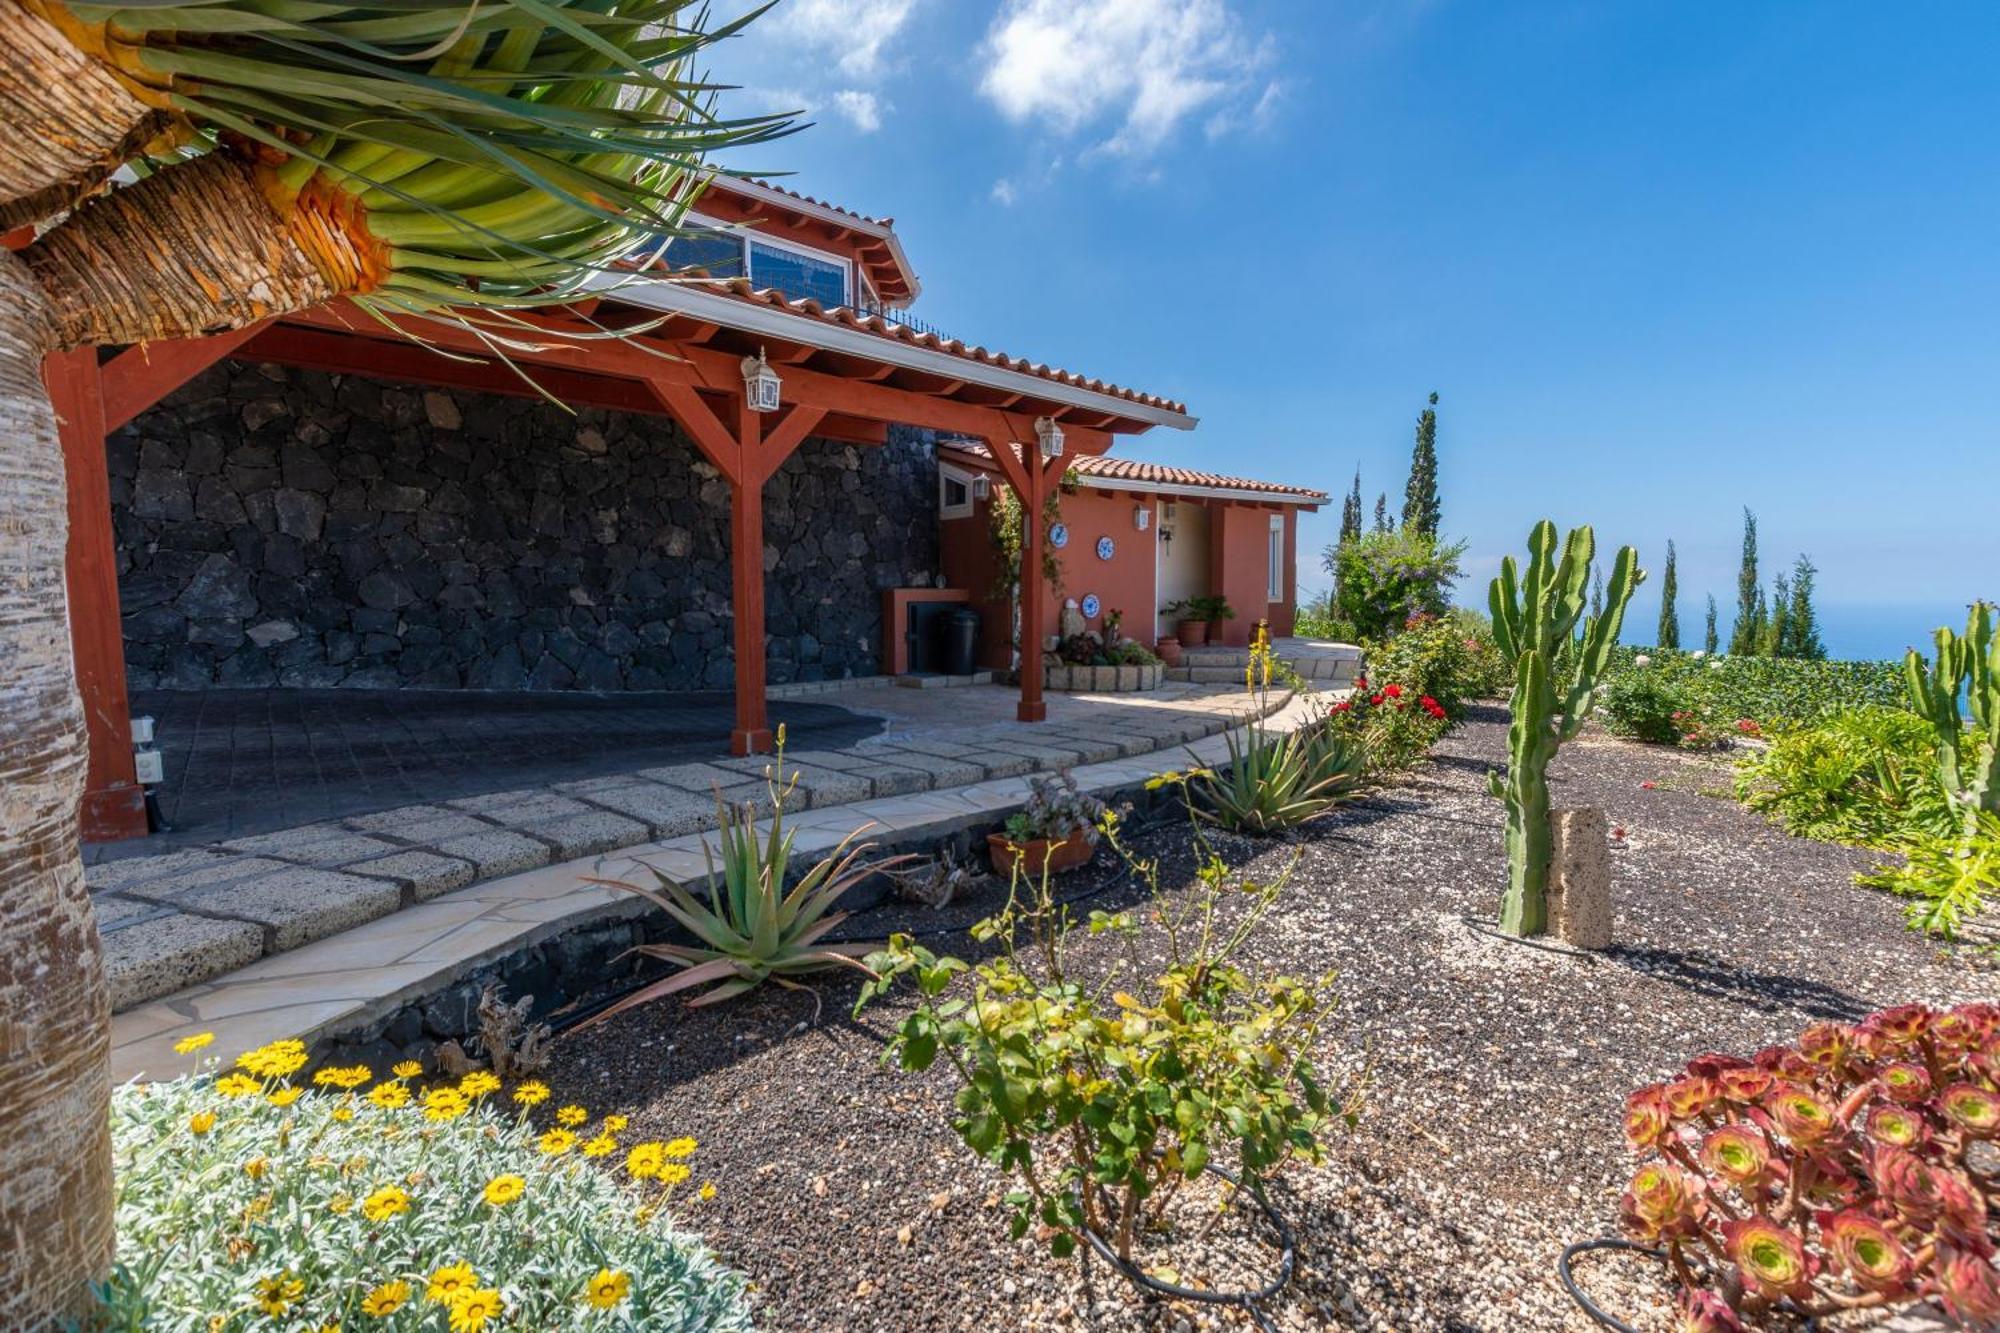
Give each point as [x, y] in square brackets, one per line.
[680, 298]
[777, 198]
[1185, 490]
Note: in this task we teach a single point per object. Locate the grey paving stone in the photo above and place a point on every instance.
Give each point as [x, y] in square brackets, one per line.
[667, 811]
[520, 807]
[424, 874]
[587, 832]
[116, 913]
[701, 779]
[921, 745]
[202, 877]
[297, 905]
[419, 823]
[174, 952]
[139, 869]
[330, 849]
[944, 772]
[496, 851]
[1125, 744]
[890, 779]
[1088, 749]
[823, 787]
[843, 760]
[1005, 763]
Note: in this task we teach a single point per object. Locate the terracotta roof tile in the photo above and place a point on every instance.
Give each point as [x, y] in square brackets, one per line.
[1159, 474]
[742, 289]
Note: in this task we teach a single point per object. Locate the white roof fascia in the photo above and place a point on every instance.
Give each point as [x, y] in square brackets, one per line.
[680, 298]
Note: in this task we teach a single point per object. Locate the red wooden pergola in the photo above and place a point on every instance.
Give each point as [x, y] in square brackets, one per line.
[682, 355]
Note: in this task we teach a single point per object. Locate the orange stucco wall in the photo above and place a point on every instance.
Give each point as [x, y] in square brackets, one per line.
[1238, 559]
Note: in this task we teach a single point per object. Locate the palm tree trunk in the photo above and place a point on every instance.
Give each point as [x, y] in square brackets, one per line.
[191, 249]
[55, 1016]
[69, 121]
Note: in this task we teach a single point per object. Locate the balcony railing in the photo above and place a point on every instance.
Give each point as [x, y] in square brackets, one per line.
[894, 315]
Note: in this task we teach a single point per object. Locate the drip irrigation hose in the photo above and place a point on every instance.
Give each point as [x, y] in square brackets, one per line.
[1592, 1308]
[1251, 1302]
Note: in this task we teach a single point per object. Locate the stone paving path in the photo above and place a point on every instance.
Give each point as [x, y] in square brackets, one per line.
[918, 788]
[174, 921]
[246, 762]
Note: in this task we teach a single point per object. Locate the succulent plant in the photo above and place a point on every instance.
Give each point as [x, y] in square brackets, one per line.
[1966, 666]
[1851, 1170]
[1533, 622]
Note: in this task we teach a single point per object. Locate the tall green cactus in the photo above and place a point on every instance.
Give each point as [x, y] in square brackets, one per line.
[1534, 623]
[1968, 757]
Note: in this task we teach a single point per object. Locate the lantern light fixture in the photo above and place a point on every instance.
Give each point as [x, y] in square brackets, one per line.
[1142, 517]
[760, 383]
[982, 487]
[1050, 435]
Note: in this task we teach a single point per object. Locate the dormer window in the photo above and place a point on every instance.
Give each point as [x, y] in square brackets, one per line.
[798, 271]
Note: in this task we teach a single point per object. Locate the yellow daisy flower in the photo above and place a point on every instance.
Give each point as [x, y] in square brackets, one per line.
[277, 1060]
[343, 1076]
[201, 1122]
[503, 1190]
[238, 1085]
[601, 1146]
[445, 1104]
[478, 1083]
[572, 1116]
[385, 1203]
[340, 1203]
[386, 1299]
[532, 1093]
[681, 1147]
[673, 1173]
[343, 1113]
[645, 1161]
[557, 1142]
[471, 1310]
[276, 1294]
[449, 1282]
[407, 1068]
[706, 1192]
[390, 1096]
[615, 1123]
[190, 1044]
[608, 1289]
[285, 1096]
[256, 1167]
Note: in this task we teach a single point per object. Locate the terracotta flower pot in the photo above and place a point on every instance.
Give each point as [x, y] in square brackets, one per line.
[1067, 854]
[1169, 650]
[1191, 633]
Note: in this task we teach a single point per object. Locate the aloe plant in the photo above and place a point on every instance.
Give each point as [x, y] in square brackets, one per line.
[1533, 623]
[1966, 665]
[749, 928]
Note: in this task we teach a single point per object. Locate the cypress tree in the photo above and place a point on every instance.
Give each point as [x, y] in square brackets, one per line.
[1350, 511]
[1420, 496]
[1709, 642]
[1749, 627]
[1670, 620]
[1804, 621]
[1383, 523]
[1775, 635]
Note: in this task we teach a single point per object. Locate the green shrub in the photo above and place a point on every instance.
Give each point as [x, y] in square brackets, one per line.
[1865, 776]
[1948, 878]
[249, 1200]
[1643, 706]
[1772, 692]
[1385, 578]
[1318, 619]
[1450, 659]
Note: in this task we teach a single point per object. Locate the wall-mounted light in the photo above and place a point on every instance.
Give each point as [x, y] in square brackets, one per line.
[760, 383]
[1142, 517]
[1168, 511]
[1051, 436]
[981, 488]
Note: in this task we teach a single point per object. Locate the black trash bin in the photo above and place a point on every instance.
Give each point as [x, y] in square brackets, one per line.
[959, 628]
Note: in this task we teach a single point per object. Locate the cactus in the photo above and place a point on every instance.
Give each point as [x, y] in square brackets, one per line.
[1968, 757]
[1533, 623]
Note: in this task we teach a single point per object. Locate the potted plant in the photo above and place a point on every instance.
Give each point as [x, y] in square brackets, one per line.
[1056, 831]
[1213, 610]
[1169, 649]
[1190, 625]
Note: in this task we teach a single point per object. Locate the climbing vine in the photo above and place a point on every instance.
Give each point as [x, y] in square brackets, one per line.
[1004, 524]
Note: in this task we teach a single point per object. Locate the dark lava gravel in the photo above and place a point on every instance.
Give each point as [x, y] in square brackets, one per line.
[1495, 1072]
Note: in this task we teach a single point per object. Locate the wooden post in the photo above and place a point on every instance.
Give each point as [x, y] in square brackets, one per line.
[114, 804]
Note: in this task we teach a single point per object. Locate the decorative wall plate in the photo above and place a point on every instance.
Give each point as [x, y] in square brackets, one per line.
[1090, 606]
[1059, 535]
[1106, 548]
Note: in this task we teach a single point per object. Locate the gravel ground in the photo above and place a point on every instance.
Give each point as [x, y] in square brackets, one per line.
[1495, 1072]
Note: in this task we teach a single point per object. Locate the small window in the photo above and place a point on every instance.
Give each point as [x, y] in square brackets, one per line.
[798, 275]
[1277, 580]
[954, 493]
[719, 252]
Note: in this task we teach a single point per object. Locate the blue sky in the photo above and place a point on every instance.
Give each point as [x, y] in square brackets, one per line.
[1660, 260]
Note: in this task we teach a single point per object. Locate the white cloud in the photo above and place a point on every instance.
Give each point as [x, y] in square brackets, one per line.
[853, 32]
[1149, 63]
[1004, 193]
[863, 109]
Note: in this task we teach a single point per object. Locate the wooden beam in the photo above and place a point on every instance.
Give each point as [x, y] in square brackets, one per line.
[114, 804]
[141, 376]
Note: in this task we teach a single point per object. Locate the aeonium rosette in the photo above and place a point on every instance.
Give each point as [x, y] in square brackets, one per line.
[1858, 1168]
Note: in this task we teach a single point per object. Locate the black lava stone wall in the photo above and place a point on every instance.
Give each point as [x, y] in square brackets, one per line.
[281, 527]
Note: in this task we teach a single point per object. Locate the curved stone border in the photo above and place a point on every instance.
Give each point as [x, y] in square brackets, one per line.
[1103, 679]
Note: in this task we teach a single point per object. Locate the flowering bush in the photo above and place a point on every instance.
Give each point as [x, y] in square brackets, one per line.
[1384, 578]
[249, 1200]
[1855, 1169]
[1393, 726]
[1453, 659]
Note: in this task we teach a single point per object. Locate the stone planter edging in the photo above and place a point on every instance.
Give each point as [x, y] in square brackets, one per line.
[1102, 679]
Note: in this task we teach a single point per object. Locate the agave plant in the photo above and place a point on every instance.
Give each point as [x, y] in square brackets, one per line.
[1275, 780]
[750, 929]
[190, 166]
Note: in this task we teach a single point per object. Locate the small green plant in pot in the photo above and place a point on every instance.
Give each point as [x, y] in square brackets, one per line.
[748, 926]
[1103, 1104]
[1056, 830]
[1533, 621]
[1212, 610]
[1190, 627]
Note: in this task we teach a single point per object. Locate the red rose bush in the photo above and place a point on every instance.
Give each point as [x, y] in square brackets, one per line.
[1854, 1169]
